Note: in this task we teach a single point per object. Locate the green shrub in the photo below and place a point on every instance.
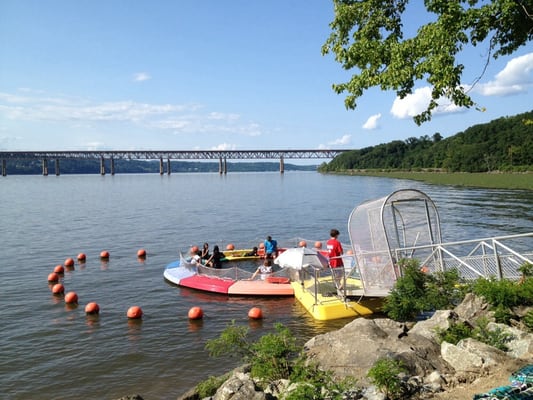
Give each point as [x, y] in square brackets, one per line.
[528, 320]
[455, 332]
[385, 375]
[495, 337]
[497, 292]
[209, 387]
[416, 291]
[233, 341]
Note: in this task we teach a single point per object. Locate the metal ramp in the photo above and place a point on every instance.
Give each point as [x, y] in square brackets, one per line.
[406, 225]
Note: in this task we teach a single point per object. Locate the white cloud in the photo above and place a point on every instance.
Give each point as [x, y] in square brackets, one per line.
[345, 139]
[516, 77]
[224, 146]
[179, 118]
[372, 122]
[417, 102]
[141, 77]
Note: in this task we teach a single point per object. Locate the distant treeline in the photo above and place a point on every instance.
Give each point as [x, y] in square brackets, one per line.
[75, 166]
[504, 144]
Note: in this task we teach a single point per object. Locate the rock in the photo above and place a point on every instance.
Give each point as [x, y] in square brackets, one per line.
[441, 319]
[131, 397]
[521, 344]
[240, 387]
[472, 308]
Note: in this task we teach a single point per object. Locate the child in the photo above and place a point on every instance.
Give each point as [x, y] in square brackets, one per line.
[265, 270]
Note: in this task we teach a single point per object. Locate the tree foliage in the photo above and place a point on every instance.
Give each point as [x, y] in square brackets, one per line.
[369, 36]
[505, 144]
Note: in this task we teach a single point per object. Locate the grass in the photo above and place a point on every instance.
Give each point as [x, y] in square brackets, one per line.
[482, 180]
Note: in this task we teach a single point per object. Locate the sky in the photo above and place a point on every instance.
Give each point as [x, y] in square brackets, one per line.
[210, 75]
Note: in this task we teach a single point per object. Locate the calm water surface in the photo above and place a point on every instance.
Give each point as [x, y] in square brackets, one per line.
[50, 351]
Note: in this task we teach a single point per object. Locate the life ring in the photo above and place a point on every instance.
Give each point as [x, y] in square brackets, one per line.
[277, 279]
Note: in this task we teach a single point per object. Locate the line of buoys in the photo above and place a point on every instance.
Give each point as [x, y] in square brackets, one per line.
[71, 298]
[69, 262]
[92, 308]
[104, 255]
[134, 312]
[255, 313]
[196, 313]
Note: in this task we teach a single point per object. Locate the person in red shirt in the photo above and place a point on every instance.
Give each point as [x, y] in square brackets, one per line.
[335, 250]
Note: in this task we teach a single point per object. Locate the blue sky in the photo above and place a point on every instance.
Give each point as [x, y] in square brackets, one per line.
[182, 75]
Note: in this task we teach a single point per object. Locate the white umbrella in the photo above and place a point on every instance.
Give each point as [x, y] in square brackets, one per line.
[301, 257]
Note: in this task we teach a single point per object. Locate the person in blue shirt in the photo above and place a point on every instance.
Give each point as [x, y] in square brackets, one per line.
[271, 247]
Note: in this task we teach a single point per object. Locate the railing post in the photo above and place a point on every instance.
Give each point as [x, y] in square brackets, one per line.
[225, 166]
[220, 170]
[497, 260]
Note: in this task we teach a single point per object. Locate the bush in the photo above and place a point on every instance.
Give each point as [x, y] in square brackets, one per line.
[385, 375]
[209, 387]
[528, 320]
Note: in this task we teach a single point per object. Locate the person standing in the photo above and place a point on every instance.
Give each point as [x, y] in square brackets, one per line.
[335, 250]
[271, 247]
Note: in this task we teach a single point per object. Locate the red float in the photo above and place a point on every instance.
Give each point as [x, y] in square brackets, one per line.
[53, 277]
[230, 246]
[82, 257]
[69, 262]
[58, 288]
[141, 253]
[71, 298]
[318, 245]
[196, 313]
[255, 313]
[59, 269]
[104, 254]
[134, 312]
[302, 243]
[92, 308]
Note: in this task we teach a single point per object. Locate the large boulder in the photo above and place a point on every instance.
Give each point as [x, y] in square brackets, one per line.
[353, 349]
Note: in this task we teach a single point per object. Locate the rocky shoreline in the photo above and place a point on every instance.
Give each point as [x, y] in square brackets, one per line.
[435, 370]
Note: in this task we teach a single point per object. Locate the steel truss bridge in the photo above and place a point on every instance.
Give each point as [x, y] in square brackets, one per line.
[221, 155]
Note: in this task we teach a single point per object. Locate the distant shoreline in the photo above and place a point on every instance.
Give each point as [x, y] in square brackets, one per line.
[492, 180]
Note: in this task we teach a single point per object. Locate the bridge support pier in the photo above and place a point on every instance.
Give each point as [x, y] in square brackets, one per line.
[4, 168]
[112, 166]
[45, 167]
[57, 167]
[102, 166]
[168, 166]
[281, 165]
[220, 170]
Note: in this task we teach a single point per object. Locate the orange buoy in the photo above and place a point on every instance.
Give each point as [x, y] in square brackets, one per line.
[302, 243]
[69, 262]
[82, 257]
[59, 269]
[261, 245]
[92, 308]
[194, 249]
[58, 288]
[230, 246]
[141, 253]
[53, 277]
[255, 313]
[349, 252]
[104, 254]
[196, 313]
[71, 298]
[134, 312]
[318, 245]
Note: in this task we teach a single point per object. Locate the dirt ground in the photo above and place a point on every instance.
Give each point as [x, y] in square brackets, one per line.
[483, 383]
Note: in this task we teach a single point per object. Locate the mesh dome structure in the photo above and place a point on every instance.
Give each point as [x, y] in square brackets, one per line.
[383, 230]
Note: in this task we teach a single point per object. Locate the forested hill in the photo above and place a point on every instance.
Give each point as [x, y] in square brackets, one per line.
[504, 144]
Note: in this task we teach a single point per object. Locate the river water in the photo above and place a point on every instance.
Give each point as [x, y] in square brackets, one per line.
[51, 351]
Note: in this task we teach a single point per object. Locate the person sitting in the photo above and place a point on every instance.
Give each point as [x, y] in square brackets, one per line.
[271, 247]
[265, 270]
[215, 260]
[205, 252]
[195, 258]
[252, 253]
